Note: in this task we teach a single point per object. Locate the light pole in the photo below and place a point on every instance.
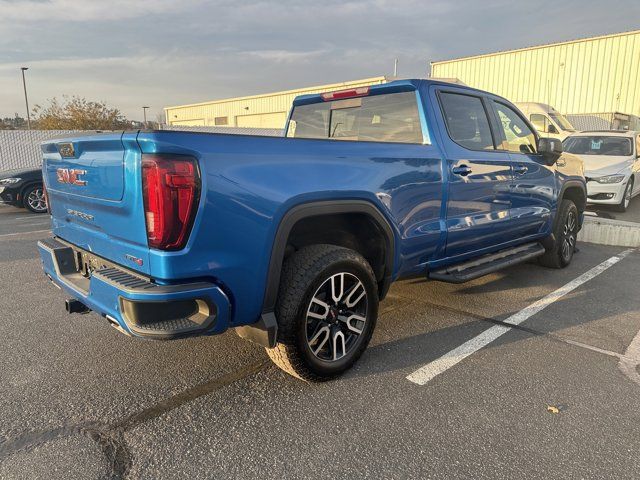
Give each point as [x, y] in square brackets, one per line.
[26, 100]
[144, 113]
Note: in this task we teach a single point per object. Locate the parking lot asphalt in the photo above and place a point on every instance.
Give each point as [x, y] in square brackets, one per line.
[556, 396]
[631, 215]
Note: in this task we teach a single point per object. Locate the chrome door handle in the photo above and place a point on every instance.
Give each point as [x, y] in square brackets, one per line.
[520, 169]
[463, 170]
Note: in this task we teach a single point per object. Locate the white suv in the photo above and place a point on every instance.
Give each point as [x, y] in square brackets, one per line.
[611, 163]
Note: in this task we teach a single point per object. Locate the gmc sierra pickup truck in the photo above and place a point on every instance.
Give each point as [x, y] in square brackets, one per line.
[293, 241]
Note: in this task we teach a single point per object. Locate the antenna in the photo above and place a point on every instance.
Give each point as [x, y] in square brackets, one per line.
[395, 67]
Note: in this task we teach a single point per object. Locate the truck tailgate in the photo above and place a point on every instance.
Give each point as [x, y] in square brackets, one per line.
[93, 184]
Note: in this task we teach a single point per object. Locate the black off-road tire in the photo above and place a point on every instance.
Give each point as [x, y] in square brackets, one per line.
[303, 274]
[557, 255]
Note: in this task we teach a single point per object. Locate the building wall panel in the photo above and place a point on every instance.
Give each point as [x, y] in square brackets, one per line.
[259, 111]
[600, 74]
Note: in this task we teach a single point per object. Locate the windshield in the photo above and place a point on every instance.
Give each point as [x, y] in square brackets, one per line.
[598, 145]
[392, 117]
[562, 122]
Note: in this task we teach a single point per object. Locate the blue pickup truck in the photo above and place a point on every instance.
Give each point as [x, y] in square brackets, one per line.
[293, 241]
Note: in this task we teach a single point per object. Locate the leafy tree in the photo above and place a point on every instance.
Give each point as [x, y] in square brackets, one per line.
[78, 113]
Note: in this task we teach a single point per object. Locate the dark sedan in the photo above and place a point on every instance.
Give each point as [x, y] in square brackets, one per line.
[23, 188]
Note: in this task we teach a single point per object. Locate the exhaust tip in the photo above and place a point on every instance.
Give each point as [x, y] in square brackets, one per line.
[75, 306]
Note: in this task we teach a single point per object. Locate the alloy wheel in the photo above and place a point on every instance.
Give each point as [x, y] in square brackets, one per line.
[336, 317]
[627, 194]
[36, 200]
[569, 236]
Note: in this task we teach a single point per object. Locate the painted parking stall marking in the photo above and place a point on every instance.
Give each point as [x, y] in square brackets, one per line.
[429, 371]
[23, 233]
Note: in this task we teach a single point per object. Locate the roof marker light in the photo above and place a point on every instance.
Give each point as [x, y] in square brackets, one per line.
[340, 94]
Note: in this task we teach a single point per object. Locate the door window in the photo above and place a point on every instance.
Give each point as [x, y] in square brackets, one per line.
[517, 136]
[540, 122]
[467, 121]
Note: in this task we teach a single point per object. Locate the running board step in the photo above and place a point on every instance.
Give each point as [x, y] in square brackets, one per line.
[472, 269]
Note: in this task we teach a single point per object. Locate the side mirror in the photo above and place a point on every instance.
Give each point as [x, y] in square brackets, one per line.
[552, 129]
[550, 149]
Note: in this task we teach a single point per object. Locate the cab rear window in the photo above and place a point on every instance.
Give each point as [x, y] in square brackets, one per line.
[393, 117]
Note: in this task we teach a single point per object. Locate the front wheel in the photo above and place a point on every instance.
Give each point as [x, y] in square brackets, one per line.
[34, 199]
[565, 232]
[626, 197]
[327, 309]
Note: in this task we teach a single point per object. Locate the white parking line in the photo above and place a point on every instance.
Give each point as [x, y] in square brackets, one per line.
[455, 356]
[24, 233]
[38, 224]
[628, 363]
[32, 217]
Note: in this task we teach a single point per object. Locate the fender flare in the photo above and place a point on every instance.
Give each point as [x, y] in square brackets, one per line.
[264, 331]
[571, 184]
[313, 209]
[548, 241]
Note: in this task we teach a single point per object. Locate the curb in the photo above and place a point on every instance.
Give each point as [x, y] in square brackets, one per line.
[610, 232]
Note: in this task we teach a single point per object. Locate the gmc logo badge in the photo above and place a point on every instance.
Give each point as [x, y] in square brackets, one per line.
[71, 176]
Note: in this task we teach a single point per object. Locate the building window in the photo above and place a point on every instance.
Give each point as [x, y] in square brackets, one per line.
[218, 121]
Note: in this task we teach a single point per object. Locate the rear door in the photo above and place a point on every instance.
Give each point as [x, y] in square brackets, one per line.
[479, 175]
[533, 188]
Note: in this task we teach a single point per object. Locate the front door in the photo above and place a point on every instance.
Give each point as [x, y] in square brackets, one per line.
[479, 176]
[533, 187]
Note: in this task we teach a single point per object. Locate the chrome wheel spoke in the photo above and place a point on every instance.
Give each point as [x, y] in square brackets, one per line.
[321, 336]
[337, 287]
[356, 294]
[318, 316]
[339, 345]
[354, 322]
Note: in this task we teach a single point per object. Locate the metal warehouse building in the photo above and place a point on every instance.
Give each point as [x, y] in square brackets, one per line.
[586, 78]
[257, 111]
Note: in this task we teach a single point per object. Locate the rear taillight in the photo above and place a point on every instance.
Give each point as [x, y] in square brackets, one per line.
[171, 187]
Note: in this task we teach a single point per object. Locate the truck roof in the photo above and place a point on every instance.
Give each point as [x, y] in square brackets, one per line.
[396, 86]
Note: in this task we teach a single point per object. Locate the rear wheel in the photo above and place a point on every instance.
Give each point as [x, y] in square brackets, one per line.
[34, 199]
[560, 253]
[327, 310]
[626, 198]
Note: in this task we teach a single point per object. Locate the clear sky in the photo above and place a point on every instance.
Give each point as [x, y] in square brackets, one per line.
[167, 52]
